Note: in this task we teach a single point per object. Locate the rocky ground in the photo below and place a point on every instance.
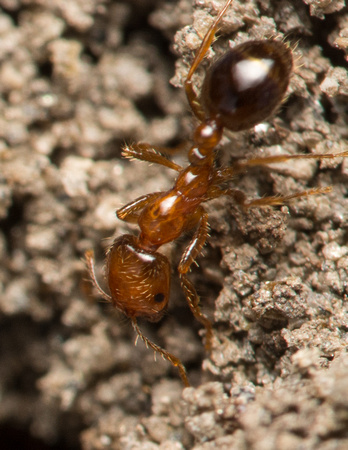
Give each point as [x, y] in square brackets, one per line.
[78, 79]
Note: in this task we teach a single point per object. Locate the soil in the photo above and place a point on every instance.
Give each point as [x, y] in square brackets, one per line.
[78, 80]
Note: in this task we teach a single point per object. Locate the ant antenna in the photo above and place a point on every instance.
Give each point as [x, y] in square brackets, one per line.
[166, 355]
[89, 255]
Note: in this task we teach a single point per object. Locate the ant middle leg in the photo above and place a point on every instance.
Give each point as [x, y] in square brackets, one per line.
[188, 258]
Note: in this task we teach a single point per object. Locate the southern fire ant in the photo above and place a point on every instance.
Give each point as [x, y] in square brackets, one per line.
[241, 89]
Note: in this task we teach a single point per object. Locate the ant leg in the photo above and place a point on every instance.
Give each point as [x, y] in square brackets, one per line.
[130, 212]
[146, 152]
[89, 255]
[204, 47]
[275, 200]
[278, 200]
[238, 167]
[193, 302]
[189, 257]
[166, 355]
[283, 158]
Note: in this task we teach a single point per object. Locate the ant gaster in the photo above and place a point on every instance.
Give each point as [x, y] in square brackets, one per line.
[241, 89]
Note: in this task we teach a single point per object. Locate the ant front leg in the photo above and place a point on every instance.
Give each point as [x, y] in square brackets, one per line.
[130, 212]
[189, 257]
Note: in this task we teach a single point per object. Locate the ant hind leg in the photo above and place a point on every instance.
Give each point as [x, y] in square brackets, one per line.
[202, 51]
[149, 153]
[238, 167]
[279, 200]
[274, 200]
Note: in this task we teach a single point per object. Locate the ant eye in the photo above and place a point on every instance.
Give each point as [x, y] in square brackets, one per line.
[158, 298]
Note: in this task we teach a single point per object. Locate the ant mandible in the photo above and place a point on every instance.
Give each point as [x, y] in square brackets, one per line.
[241, 89]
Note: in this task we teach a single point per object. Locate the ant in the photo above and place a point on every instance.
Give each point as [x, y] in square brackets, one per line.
[241, 89]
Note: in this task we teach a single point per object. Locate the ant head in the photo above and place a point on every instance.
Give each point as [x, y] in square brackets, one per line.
[139, 280]
[245, 85]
